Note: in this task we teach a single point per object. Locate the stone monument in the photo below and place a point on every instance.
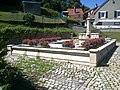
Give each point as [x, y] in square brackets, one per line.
[88, 34]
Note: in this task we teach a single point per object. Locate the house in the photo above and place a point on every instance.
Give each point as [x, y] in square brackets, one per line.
[32, 7]
[75, 13]
[108, 15]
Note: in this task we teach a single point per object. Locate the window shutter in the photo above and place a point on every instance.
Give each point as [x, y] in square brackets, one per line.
[99, 15]
[115, 14]
[106, 14]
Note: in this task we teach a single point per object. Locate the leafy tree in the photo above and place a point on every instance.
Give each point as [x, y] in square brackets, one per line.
[85, 8]
[8, 5]
[76, 3]
[58, 5]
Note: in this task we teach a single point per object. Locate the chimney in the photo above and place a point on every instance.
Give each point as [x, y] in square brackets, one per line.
[96, 5]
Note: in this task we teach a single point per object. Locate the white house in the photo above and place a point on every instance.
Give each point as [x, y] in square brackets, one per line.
[108, 15]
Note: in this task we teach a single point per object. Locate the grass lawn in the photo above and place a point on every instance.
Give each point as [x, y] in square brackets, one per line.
[8, 16]
[33, 67]
[113, 35]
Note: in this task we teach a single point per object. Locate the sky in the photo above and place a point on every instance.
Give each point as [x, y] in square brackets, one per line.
[92, 3]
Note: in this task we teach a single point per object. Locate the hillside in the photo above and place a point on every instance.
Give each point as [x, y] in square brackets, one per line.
[8, 16]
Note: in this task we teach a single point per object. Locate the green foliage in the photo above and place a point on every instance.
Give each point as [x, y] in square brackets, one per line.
[18, 17]
[5, 87]
[13, 34]
[85, 8]
[34, 66]
[29, 19]
[71, 21]
[3, 52]
[10, 5]
[11, 77]
[56, 5]
[113, 35]
[74, 3]
[7, 73]
[49, 12]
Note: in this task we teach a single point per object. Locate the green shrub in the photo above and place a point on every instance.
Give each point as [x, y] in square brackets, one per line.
[29, 19]
[49, 12]
[71, 21]
[7, 74]
[14, 34]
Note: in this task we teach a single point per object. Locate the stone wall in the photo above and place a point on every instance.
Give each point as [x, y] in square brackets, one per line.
[92, 57]
[63, 55]
[97, 55]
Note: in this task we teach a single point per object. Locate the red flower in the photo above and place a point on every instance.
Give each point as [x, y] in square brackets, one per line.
[92, 42]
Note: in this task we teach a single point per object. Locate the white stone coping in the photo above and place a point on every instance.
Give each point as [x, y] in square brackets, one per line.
[103, 46]
[51, 49]
[90, 33]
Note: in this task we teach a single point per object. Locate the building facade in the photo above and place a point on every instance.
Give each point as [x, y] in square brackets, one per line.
[108, 15]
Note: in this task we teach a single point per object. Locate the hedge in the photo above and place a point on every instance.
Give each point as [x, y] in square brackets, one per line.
[14, 34]
[71, 21]
[49, 12]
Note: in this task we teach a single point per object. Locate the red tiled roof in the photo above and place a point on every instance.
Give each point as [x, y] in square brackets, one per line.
[75, 13]
[71, 11]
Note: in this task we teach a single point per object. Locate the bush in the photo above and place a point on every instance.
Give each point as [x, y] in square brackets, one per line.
[71, 21]
[49, 12]
[14, 34]
[7, 74]
[29, 19]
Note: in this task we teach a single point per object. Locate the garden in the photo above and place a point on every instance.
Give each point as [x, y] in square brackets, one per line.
[58, 42]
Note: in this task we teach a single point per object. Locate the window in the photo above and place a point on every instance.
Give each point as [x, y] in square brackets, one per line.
[116, 23]
[103, 14]
[117, 14]
[99, 23]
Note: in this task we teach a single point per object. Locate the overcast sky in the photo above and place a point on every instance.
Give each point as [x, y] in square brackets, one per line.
[91, 3]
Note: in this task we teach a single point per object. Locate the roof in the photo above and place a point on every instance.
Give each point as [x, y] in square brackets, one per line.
[93, 9]
[74, 11]
[90, 13]
[102, 5]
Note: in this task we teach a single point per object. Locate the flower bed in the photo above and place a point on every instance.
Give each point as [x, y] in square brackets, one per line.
[68, 43]
[42, 42]
[92, 43]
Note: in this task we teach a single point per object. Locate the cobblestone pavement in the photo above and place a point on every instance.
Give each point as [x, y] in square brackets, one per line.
[69, 76]
[79, 77]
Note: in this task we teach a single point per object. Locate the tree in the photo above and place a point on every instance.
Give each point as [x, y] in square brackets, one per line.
[85, 8]
[6, 5]
[74, 3]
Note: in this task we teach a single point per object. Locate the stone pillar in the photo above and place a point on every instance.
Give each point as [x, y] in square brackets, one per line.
[93, 57]
[88, 27]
